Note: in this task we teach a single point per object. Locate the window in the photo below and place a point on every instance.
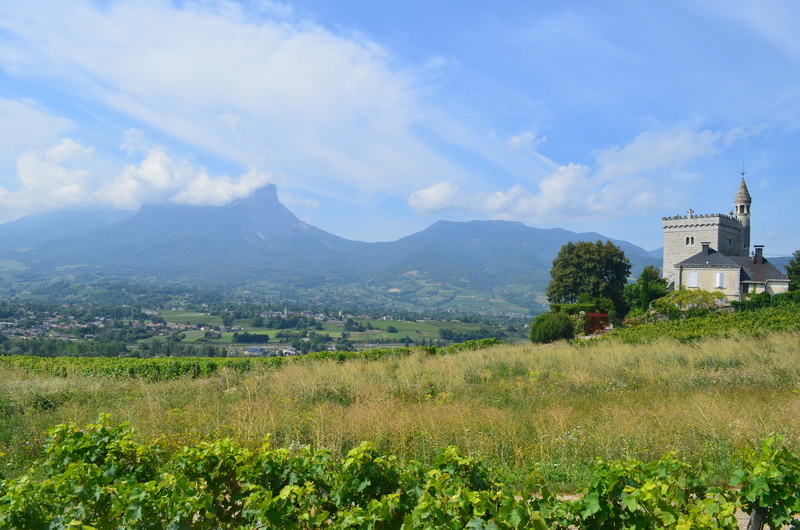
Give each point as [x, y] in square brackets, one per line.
[694, 279]
[690, 240]
[719, 280]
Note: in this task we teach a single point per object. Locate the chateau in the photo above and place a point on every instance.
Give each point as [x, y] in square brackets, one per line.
[712, 252]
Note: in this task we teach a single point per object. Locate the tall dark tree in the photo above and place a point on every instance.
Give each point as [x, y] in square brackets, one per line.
[648, 287]
[793, 271]
[598, 270]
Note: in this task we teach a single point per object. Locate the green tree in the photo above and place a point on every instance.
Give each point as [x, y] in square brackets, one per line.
[793, 271]
[550, 327]
[598, 270]
[648, 287]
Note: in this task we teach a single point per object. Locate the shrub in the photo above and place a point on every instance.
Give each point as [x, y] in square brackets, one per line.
[673, 313]
[550, 327]
[697, 312]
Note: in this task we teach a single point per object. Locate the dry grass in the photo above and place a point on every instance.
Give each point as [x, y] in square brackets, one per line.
[544, 410]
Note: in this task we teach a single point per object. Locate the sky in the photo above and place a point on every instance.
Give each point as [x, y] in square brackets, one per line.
[376, 119]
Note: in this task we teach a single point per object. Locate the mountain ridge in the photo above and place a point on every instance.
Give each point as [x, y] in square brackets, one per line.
[258, 241]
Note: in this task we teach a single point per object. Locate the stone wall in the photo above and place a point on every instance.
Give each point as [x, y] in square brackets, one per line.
[684, 235]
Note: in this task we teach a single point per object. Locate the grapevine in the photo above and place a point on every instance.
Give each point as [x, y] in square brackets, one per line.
[99, 476]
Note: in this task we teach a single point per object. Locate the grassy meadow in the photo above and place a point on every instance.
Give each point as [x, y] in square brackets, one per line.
[528, 410]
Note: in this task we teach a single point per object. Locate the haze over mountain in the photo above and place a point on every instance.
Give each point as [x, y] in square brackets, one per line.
[257, 241]
[35, 229]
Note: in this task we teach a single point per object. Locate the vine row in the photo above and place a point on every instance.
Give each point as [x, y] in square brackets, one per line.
[100, 477]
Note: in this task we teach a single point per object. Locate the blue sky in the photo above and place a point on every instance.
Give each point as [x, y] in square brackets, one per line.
[375, 119]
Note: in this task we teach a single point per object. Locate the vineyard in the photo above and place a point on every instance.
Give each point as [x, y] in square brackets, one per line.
[151, 370]
[172, 368]
[664, 429]
[716, 324]
[100, 477]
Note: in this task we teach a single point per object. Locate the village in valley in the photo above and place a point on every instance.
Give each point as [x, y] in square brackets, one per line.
[247, 331]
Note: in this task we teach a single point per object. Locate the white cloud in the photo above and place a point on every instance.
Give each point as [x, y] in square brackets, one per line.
[564, 192]
[49, 179]
[440, 197]
[244, 83]
[527, 141]
[205, 190]
[162, 177]
[63, 176]
[649, 152]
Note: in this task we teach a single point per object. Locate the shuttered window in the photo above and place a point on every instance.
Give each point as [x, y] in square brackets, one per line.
[719, 280]
[694, 279]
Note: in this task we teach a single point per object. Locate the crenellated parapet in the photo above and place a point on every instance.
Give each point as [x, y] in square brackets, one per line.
[699, 222]
[700, 216]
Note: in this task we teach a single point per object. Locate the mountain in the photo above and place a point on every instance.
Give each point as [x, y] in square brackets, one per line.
[463, 266]
[490, 251]
[36, 229]
[245, 239]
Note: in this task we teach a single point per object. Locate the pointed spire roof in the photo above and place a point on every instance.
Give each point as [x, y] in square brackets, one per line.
[742, 195]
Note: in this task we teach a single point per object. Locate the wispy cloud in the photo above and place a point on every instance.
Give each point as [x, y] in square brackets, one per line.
[655, 152]
[621, 181]
[24, 124]
[259, 90]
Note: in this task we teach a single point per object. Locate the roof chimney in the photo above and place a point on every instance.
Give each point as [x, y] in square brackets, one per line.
[706, 246]
[759, 259]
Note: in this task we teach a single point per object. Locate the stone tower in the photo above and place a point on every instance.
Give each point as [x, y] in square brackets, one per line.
[741, 204]
[729, 235]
